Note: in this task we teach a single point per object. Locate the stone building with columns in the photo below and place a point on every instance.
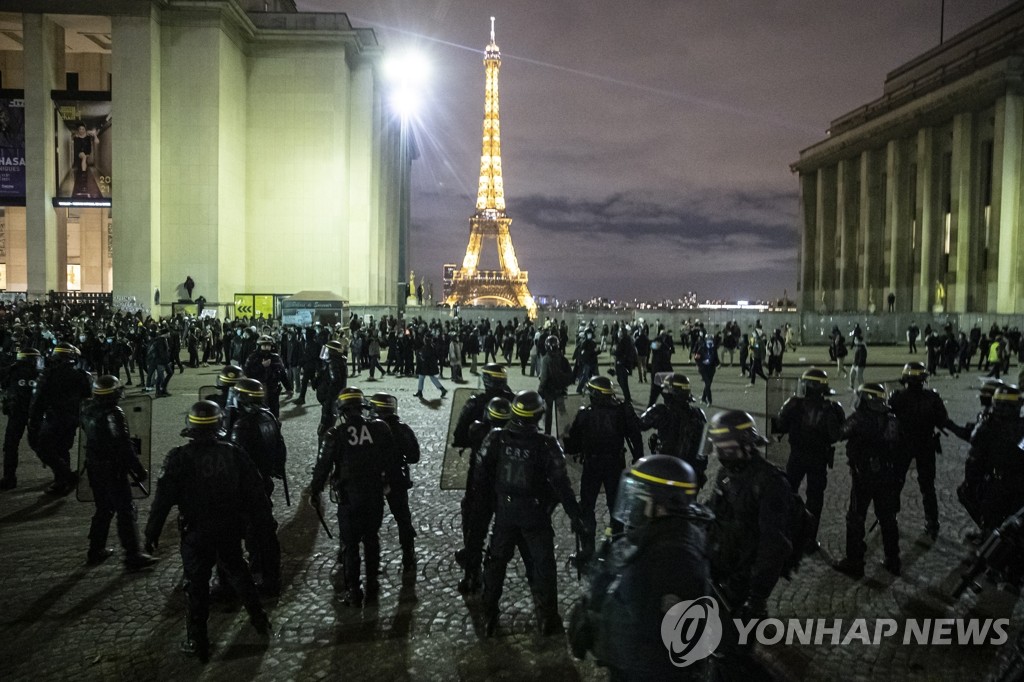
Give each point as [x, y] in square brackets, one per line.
[239, 142]
[918, 193]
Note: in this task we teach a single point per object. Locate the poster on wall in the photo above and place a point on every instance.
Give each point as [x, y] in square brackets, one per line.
[83, 150]
[12, 151]
[3, 276]
[74, 279]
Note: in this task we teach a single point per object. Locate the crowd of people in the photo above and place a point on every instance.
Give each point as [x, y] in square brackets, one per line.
[661, 545]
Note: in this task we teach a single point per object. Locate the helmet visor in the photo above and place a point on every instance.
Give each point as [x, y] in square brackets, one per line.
[633, 504]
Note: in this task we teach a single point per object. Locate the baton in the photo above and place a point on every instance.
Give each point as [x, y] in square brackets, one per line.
[138, 482]
[287, 497]
[320, 515]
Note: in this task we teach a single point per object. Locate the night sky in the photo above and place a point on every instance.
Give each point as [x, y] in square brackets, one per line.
[645, 144]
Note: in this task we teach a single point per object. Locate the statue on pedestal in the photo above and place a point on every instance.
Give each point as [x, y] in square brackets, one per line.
[410, 294]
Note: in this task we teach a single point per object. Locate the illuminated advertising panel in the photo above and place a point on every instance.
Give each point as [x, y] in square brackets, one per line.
[12, 151]
[83, 149]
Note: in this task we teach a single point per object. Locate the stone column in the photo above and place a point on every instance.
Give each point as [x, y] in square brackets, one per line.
[360, 214]
[960, 295]
[826, 230]
[1007, 197]
[44, 71]
[872, 215]
[135, 72]
[847, 224]
[929, 219]
[897, 218]
[808, 245]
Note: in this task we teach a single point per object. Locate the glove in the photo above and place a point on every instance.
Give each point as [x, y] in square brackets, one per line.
[314, 501]
[151, 545]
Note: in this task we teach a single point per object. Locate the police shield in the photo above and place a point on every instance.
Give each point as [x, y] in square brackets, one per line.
[566, 410]
[455, 466]
[779, 390]
[138, 412]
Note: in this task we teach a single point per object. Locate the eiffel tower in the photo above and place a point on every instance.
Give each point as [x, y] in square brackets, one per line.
[470, 285]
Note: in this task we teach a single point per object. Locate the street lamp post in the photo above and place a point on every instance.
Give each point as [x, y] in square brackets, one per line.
[406, 73]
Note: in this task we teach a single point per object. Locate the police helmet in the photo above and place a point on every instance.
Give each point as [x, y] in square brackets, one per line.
[107, 387]
[499, 411]
[229, 376]
[494, 376]
[676, 386]
[350, 400]
[655, 485]
[1006, 400]
[551, 344]
[332, 349]
[249, 392]
[914, 373]
[814, 381]
[28, 354]
[527, 408]
[383, 404]
[266, 340]
[600, 389]
[871, 397]
[988, 388]
[66, 351]
[204, 420]
[735, 436]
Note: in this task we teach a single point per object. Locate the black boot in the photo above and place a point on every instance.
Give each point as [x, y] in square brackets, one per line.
[850, 567]
[893, 565]
[8, 482]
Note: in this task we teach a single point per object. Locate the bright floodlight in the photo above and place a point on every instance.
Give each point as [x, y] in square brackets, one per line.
[407, 72]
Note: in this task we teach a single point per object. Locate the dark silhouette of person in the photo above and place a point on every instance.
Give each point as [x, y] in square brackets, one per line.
[892, 301]
[190, 284]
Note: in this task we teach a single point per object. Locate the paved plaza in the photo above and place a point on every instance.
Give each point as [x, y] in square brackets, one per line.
[62, 620]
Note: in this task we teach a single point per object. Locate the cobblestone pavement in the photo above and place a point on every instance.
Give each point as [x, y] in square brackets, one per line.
[62, 620]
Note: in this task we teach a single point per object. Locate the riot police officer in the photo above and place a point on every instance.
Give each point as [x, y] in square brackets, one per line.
[495, 380]
[660, 561]
[995, 463]
[53, 417]
[986, 390]
[813, 423]
[110, 459]
[749, 542]
[384, 406]
[517, 470]
[967, 492]
[19, 382]
[598, 435]
[871, 433]
[679, 426]
[920, 412]
[359, 457]
[266, 366]
[258, 434]
[332, 378]
[497, 415]
[218, 491]
[226, 380]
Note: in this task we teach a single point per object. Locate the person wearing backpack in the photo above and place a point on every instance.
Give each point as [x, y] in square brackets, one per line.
[555, 378]
[872, 441]
[813, 423]
[751, 540]
[776, 349]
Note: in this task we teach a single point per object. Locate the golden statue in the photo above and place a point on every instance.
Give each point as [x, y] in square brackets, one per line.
[940, 292]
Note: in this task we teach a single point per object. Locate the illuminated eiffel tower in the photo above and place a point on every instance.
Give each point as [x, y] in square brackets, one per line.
[470, 285]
